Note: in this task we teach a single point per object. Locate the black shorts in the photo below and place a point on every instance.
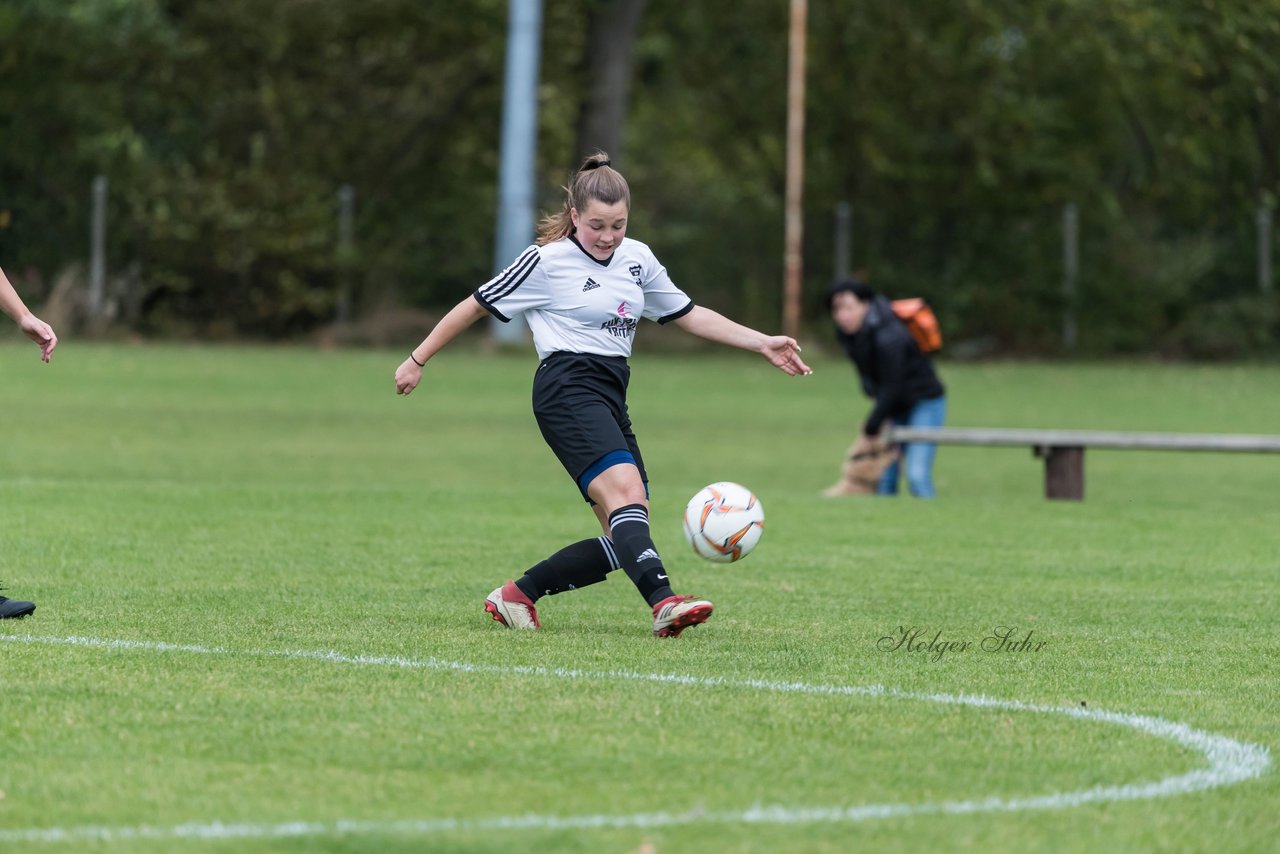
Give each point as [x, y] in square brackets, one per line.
[580, 401]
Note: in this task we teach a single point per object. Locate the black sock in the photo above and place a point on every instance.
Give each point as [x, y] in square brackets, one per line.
[585, 562]
[629, 527]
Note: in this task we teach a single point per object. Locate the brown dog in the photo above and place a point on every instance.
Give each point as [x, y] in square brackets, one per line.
[864, 463]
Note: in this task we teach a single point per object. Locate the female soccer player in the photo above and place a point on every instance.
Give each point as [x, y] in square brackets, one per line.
[583, 288]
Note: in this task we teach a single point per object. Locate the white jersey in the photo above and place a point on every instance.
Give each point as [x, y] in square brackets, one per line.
[578, 304]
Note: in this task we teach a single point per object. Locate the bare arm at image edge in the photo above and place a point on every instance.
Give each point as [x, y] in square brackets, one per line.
[32, 327]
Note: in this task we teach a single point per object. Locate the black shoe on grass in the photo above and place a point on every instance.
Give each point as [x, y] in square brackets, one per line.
[11, 609]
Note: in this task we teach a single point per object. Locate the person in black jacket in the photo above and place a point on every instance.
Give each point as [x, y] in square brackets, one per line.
[894, 372]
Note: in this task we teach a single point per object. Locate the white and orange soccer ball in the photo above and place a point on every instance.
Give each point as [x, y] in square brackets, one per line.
[723, 522]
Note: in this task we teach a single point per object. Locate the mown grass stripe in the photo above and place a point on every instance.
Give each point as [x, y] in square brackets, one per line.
[1230, 761]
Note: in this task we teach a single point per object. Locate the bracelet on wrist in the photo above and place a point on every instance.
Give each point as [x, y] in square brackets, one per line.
[415, 360]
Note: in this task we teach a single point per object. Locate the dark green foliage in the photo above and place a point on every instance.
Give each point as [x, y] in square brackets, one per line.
[958, 131]
[1229, 328]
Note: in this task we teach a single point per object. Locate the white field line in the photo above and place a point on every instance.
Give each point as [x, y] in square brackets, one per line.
[1229, 761]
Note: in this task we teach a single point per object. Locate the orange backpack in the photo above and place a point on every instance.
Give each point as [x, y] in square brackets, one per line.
[921, 322]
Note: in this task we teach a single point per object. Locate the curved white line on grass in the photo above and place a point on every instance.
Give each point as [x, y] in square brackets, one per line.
[1230, 761]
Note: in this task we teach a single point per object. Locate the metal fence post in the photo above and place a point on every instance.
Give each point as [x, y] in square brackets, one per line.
[1264, 222]
[346, 214]
[1070, 269]
[844, 239]
[98, 247]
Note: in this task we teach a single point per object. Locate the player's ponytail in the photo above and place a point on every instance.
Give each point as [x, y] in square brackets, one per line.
[596, 180]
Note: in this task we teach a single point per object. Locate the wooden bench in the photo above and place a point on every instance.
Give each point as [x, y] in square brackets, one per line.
[1063, 450]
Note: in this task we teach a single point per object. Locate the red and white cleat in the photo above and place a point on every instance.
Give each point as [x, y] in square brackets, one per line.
[512, 608]
[674, 614]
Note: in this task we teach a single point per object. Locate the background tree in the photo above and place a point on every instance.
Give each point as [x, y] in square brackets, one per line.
[606, 67]
[958, 131]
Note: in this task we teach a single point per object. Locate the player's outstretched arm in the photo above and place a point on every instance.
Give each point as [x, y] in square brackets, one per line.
[32, 327]
[782, 352]
[462, 315]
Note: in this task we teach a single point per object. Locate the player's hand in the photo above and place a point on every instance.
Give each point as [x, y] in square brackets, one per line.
[408, 375]
[41, 333]
[784, 354]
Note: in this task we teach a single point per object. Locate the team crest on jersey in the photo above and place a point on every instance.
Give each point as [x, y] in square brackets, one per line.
[591, 285]
[622, 326]
[634, 270]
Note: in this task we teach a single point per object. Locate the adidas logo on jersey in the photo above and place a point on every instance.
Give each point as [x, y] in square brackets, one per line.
[647, 554]
[591, 285]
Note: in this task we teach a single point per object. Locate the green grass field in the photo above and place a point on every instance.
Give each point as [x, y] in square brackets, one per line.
[259, 576]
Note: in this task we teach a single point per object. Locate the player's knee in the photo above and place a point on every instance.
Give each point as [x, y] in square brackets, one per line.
[619, 486]
[629, 493]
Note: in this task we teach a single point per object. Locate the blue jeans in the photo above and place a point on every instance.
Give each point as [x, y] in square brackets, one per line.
[918, 456]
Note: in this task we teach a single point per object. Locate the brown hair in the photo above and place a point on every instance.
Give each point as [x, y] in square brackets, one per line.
[595, 181]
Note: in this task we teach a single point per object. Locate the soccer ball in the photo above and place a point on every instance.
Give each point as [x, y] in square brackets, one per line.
[723, 522]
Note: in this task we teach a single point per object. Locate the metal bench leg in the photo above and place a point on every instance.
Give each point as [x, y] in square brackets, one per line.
[1063, 472]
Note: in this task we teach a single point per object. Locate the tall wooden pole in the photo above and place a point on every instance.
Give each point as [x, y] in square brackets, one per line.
[792, 261]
